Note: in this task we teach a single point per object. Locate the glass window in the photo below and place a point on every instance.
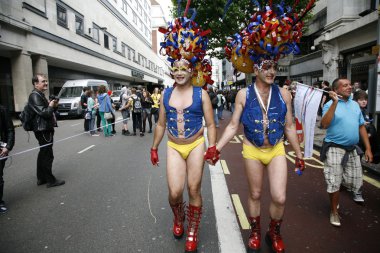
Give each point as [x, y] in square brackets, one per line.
[125, 6]
[79, 24]
[145, 18]
[134, 18]
[146, 31]
[123, 49]
[106, 42]
[95, 34]
[61, 16]
[145, 4]
[70, 92]
[141, 25]
[139, 9]
[114, 44]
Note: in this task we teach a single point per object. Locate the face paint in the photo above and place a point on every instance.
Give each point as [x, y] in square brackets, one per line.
[267, 65]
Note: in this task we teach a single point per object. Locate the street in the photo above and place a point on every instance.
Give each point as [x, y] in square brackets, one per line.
[114, 200]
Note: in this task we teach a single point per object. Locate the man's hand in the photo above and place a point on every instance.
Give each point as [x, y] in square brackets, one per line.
[154, 156]
[212, 155]
[333, 96]
[300, 166]
[4, 152]
[368, 156]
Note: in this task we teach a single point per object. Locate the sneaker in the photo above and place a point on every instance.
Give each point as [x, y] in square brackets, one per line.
[150, 131]
[3, 208]
[357, 197]
[57, 182]
[141, 134]
[334, 219]
[94, 134]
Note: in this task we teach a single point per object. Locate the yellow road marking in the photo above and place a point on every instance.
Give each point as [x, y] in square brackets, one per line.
[225, 167]
[244, 223]
[371, 181]
[235, 140]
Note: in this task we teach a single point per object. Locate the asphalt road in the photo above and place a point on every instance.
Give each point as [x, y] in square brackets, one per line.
[113, 199]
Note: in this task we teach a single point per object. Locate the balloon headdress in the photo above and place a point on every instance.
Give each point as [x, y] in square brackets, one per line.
[185, 39]
[272, 33]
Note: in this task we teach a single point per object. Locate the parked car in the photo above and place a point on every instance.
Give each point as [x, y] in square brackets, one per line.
[115, 96]
[69, 96]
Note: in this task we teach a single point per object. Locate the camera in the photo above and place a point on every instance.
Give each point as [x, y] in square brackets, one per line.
[3, 144]
[53, 97]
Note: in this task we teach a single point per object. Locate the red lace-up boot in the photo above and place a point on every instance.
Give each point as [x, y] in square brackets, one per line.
[179, 217]
[255, 236]
[273, 237]
[194, 214]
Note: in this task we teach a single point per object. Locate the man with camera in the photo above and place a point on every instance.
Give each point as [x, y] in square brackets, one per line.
[7, 140]
[44, 121]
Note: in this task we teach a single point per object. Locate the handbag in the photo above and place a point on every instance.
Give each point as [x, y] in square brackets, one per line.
[107, 115]
[88, 115]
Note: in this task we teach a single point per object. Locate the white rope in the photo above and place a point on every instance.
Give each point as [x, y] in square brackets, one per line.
[150, 209]
[64, 139]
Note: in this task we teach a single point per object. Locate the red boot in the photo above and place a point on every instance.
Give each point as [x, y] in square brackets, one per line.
[273, 237]
[179, 217]
[194, 214]
[255, 236]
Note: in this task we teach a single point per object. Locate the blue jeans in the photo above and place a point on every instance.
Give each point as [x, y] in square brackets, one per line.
[92, 124]
[216, 117]
[220, 111]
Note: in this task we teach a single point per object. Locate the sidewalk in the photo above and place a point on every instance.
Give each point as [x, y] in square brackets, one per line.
[319, 134]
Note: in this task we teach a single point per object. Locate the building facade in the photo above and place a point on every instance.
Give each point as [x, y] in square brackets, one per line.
[111, 40]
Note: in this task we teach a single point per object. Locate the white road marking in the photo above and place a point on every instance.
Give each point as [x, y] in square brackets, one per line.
[80, 152]
[76, 124]
[227, 227]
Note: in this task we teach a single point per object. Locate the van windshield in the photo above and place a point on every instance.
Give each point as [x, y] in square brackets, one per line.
[70, 92]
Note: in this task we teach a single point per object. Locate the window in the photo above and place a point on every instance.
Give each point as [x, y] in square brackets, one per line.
[106, 42]
[146, 31]
[125, 6]
[114, 44]
[141, 25]
[123, 49]
[79, 24]
[61, 16]
[145, 4]
[95, 33]
[145, 18]
[139, 9]
[134, 18]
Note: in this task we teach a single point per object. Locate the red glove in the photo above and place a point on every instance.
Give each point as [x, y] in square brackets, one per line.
[300, 166]
[212, 154]
[154, 156]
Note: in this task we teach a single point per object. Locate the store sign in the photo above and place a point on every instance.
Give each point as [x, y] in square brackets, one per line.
[138, 74]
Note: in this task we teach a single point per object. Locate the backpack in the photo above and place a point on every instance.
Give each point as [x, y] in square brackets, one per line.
[214, 101]
[136, 104]
[26, 117]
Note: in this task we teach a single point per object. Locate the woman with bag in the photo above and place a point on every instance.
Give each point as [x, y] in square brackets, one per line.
[91, 113]
[146, 104]
[105, 109]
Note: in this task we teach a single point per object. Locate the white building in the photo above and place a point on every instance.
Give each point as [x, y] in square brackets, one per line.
[103, 39]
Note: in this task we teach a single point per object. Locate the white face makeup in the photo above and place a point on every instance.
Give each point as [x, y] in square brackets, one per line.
[182, 72]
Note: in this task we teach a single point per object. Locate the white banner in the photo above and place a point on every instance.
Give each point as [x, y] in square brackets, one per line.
[306, 104]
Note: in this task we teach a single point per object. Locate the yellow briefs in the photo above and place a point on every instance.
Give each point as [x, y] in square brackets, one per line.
[264, 155]
[185, 149]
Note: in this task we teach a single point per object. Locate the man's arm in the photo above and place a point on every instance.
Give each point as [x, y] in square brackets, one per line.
[290, 129]
[209, 118]
[233, 125]
[329, 115]
[367, 145]
[38, 105]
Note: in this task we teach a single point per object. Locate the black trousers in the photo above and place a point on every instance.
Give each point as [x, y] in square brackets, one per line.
[155, 112]
[146, 116]
[136, 120]
[45, 156]
[2, 165]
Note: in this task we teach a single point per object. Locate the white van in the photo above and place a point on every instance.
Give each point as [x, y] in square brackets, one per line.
[69, 96]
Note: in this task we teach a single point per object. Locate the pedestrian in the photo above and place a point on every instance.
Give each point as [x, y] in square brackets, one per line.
[325, 96]
[7, 141]
[156, 97]
[265, 110]
[112, 120]
[124, 108]
[185, 148]
[105, 108]
[231, 98]
[91, 112]
[43, 123]
[136, 109]
[146, 104]
[344, 122]
[221, 103]
[98, 118]
[214, 104]
[83, 103]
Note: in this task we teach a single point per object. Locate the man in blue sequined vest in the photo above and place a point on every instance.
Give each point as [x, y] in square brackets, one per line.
[265, 111]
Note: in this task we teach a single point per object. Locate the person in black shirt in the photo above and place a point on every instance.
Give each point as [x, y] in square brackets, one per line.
[83, 103]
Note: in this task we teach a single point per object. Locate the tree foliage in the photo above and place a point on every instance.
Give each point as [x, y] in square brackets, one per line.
[210, 16]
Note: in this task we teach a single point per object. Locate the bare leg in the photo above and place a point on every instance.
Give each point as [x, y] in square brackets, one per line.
[254, 171]
[277, 174]
[334, 200]
[194, 164]
[176, 176]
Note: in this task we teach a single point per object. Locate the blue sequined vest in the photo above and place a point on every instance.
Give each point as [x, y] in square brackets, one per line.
[192, 115]
[252, 117]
